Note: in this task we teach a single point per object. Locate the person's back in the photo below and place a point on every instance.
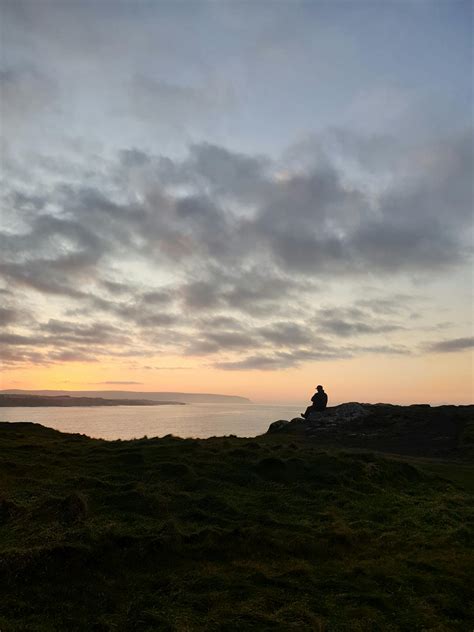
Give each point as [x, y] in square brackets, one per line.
[319, 399]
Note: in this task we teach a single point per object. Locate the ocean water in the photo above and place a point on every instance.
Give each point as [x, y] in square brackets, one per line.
[129, 422]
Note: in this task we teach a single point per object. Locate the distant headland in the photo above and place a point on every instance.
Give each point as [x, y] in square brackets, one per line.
[12, 400]
[150, 396]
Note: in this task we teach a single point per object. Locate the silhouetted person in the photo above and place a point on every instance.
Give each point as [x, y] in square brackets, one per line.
[320, 401]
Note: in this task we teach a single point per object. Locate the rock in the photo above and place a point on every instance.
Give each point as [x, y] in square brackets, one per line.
[326, 419]
[317, 416]
[276, 426]
[336, 414]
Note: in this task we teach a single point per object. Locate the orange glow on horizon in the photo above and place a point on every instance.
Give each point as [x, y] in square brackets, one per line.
[443, 378]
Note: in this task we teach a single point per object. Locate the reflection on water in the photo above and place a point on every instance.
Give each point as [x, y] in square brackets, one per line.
[128, 422]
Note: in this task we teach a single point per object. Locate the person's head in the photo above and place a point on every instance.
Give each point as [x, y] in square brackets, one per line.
[319, 388]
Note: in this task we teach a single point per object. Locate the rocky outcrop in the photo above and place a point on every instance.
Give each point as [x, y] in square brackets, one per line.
[277, 426]
[342, 413]
[333, 416]
[417, 430]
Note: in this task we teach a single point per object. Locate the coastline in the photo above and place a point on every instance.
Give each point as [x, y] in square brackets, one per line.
[63, 401]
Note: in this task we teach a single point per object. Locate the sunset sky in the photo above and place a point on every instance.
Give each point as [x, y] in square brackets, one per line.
[248, 198]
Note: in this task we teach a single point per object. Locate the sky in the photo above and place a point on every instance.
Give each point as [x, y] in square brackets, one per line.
[247, 198]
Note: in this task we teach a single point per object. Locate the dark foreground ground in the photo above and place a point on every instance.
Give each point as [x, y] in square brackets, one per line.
[280, 532]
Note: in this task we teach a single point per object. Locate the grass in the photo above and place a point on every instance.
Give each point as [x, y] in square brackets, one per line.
[273, 533]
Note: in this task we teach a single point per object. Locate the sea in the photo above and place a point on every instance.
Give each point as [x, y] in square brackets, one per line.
[132, 422]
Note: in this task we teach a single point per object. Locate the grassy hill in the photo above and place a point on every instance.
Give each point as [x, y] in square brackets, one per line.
[279, 532]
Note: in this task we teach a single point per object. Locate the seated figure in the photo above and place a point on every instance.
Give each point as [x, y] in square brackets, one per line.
[320, 401]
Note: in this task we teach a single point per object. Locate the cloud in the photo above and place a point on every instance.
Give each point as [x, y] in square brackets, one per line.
[227, 174]
[352, 322]
[311, 223]
[281, 360]
[259, 363]
[215, 342]
[52, 256]
[175, 107]
[8, 316]
[345, 329]
[384, 349]
[60, 341]
[450, 346]
[215, 254]
[97, 332]
[71, 355]
[392, 305]
[18, 339]
[321, 352]
[158, 212]
[142, 308]
[167, 368]
[117, 382]
[286, 333]
[117, 288]
[40, 275]
[25, 91]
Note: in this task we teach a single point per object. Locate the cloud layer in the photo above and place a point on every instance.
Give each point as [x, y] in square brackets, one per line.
[229, 257]
[244, 186]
